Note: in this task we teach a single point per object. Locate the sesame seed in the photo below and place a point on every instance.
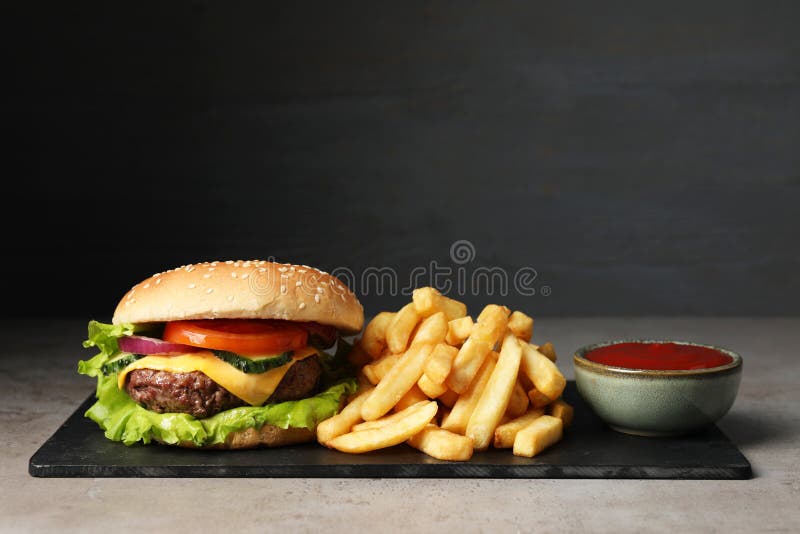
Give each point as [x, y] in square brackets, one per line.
[316, 298]
[302, 305]
[192, 286]
[206, 275]
[210, 290]
[157, 275]
[158, 281]
[229, 262]
[324, 283]
[212, 268]
[298, 283]
[189, 268]
[233, 274]
[146, 286]
[245, 275]
[214, 263]
[230, 298]
[283, 288]
[301, 271]
[284, 276]
[282, 269]
[262, 270]
[246, 264]
[320, 290]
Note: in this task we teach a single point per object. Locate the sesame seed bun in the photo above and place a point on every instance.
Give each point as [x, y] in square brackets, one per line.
[266, 436]
[242, 290]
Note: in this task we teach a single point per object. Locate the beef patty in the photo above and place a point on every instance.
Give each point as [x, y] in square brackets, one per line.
[196, 394]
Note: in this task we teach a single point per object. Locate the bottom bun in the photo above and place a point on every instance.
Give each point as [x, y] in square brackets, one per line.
[266, 436]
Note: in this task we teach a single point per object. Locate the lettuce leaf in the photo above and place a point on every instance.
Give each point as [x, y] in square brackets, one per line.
[124, 420]
[104, 337]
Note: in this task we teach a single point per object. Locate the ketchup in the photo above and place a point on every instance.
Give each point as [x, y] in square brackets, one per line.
[659, 356]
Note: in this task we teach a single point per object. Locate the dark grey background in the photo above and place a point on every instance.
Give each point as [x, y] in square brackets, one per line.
[643, 159]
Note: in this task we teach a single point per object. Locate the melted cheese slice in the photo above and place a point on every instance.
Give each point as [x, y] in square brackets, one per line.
[253, 388]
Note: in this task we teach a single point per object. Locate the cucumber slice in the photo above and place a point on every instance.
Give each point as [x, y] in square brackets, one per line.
[246, 365]
[121, 362]
[254, 366]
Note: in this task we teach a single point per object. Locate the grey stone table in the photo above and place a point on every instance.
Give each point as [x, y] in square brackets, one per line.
[40, 389]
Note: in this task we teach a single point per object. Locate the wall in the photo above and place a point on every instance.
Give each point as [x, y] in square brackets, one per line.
[643, 160]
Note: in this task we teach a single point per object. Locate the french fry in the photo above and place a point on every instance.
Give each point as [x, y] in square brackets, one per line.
[538, 399]
[458, 330]
[494, 399]
[540, 434]
[400, 328]
[442, 444]
[491, 324]
[466, 364]
[413, 396]
[431, 363]
[415, 419]
[342, 422]
[543, 373]
[397, 382]
[562, 410]
[491, 310]
[521, 325]
[448, 398]
[428, 301]
[429, 387]
[505, 433]
[376, 370]
[485, 334]
[440, 362]
[462, 410]
[374, 339]
[431, 330]
[518, 403]
[548, 350]
[385, 420]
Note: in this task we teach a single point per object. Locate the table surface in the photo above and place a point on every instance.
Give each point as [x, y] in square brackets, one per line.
[764, 422]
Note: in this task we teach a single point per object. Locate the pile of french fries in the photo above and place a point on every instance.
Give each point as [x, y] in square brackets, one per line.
[448, 386]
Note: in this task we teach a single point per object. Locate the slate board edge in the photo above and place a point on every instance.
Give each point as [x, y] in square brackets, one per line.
[41, 467]
[742, 472]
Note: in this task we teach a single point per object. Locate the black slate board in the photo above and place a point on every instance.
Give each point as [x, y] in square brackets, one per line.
[589, 450]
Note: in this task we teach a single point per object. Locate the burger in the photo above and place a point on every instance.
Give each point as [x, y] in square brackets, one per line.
[225, 355]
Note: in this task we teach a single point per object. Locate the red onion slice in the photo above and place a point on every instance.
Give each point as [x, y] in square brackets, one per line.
[151, 345]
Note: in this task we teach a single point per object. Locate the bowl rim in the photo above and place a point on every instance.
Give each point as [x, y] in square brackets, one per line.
[580, 360]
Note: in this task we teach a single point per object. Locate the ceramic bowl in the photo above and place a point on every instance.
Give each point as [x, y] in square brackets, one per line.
[654, 402]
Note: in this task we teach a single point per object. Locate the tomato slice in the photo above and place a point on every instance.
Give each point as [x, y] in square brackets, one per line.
[250, 337]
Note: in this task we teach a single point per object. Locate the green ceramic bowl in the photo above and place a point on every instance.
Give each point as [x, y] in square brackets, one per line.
[657, 403]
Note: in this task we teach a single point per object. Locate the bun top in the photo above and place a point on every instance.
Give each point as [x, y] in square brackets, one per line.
[242, 290]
